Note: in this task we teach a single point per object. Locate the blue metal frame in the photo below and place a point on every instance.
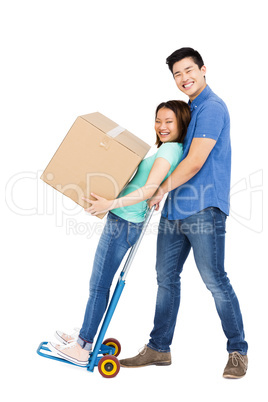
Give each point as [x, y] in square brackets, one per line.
[112, 306]
[100, 348]
[44, 351]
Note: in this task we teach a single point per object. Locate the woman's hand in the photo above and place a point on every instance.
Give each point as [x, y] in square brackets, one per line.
[101, 205]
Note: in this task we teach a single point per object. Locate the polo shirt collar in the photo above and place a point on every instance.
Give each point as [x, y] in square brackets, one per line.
[200, 98]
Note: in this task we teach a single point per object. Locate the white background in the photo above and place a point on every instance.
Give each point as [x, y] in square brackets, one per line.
[61, 59]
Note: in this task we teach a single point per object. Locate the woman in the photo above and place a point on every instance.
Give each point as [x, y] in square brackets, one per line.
[124, 224]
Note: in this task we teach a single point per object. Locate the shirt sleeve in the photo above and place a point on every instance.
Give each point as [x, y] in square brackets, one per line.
[171, 151]
[210, 121]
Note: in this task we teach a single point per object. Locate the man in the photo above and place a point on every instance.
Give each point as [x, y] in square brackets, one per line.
[194, 216]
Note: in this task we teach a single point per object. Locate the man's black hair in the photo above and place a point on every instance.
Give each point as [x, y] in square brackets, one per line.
[182, 54]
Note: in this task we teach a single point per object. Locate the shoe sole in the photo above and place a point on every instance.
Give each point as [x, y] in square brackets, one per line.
[148, 364]
[233, 377]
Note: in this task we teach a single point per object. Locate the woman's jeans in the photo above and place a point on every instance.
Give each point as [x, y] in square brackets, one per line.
[205, 233]
[117, 237]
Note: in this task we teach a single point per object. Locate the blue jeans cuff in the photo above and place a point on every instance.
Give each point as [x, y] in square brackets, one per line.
[157, 349]
[84, 345]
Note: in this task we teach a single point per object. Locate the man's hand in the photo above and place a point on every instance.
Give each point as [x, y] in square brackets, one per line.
[101, 205]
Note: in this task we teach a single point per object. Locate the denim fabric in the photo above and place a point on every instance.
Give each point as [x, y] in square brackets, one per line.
[205, 233]
[117, 237]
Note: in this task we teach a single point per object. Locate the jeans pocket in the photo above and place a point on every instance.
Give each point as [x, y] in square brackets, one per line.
[219, 221]
[112, 217]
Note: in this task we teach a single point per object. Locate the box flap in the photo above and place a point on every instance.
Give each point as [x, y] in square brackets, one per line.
[134, 143]
[124, 137]
[100, 121]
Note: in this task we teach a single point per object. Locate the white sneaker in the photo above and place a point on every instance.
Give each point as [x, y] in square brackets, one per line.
[65, 338]
[71, 352]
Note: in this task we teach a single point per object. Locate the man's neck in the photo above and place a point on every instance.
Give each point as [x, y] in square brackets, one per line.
[191, 98]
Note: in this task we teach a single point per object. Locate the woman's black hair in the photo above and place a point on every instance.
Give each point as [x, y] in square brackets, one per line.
[183, 115]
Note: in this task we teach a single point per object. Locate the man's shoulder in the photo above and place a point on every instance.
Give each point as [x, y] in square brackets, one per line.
[213, 100]
[214, 104]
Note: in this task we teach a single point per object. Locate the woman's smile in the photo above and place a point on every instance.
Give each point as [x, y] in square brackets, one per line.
[166, 126]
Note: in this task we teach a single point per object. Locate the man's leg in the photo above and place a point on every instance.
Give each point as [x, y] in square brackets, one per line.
[207, 237]
[172, 251]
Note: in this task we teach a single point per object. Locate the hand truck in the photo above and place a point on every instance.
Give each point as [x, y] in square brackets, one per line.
[105, 352]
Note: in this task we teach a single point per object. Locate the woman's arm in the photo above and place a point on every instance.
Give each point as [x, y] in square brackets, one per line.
[157, 174]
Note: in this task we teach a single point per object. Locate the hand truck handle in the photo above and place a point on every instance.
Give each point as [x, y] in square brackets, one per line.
[134, 249]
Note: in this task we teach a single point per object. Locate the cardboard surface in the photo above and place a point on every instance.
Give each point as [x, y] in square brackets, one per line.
[90, 160]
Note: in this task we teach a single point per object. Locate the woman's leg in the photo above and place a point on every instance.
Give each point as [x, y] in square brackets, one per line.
[117, 237]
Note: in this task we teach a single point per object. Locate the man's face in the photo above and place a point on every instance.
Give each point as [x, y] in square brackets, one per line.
[189, 78]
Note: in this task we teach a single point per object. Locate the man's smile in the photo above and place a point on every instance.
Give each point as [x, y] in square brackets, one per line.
[188, 85]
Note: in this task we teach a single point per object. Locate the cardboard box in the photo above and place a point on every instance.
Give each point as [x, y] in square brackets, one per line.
[96, 156]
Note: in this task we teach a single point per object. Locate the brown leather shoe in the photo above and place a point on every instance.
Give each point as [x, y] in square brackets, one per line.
[237, 366]
[147, 357]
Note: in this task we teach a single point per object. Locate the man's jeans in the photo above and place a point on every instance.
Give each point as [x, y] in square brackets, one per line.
[117, 237]
[205, 233]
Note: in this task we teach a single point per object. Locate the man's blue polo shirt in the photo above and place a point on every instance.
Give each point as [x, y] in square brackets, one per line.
[210, 187]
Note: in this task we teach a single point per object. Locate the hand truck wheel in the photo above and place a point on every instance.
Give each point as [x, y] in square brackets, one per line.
[109, 366]
[115, 344]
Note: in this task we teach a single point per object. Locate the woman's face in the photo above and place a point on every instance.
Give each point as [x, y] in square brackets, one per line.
[166, 126]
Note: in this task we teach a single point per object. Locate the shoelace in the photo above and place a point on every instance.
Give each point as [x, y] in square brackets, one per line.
[67, 336]
[143, 350]
[235, 357]
[74, 335]
[68, 346]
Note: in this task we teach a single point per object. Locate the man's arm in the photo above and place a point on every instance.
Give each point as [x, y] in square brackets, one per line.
[198, 153]
[157, 174]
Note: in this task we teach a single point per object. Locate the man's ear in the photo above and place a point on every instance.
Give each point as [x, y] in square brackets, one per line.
[204, 70]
